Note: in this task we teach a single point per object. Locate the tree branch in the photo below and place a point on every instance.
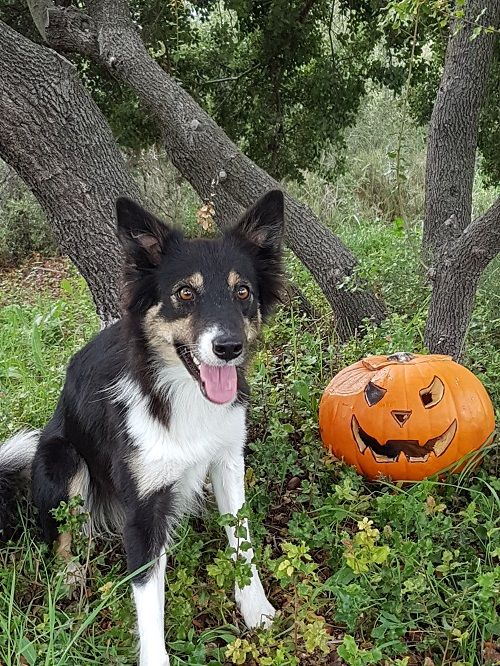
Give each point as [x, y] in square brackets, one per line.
[210, 161]
[454, 125]
[455, 276]
[54, 136]
[481, 239]
[67, 29]
[236, 77]
[38, 10]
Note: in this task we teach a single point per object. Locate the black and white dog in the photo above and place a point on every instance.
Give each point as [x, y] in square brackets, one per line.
[159, 399]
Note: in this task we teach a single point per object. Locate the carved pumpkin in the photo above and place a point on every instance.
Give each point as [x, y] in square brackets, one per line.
[405, 416]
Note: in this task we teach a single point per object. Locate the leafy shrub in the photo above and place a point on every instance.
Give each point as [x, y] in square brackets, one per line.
[23, 227]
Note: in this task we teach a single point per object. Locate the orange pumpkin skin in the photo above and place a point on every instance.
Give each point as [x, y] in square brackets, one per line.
[405, 416]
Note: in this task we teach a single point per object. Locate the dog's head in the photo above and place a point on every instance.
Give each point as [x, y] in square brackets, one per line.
[201, 302]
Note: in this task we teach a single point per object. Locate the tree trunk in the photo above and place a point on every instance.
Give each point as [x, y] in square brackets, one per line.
[460, 249]
[454, 126]
[54, 136]
[205, 156]
[455, 279]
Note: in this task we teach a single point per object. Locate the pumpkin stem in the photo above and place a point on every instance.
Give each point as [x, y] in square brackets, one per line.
[401, 357]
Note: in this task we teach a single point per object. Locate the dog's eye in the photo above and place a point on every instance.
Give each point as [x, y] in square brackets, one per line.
[243, 292]
[185, 294]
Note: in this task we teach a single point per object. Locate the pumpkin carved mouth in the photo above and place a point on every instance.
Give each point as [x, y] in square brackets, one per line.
[392, 450]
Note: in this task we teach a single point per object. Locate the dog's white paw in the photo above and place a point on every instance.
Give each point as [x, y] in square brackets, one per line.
[260, 615]
[154, 660]
[254, 606]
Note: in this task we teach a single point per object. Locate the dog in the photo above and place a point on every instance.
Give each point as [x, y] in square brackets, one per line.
[158, 401]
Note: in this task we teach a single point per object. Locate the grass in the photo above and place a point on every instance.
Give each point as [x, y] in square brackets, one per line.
[433, 595]
[362, 572]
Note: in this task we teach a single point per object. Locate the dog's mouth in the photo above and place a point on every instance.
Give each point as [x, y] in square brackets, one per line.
[393, 449]
[218, 383]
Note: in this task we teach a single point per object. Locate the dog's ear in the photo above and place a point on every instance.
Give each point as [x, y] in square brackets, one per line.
[142, 235]
[261, 228]
[263, 224]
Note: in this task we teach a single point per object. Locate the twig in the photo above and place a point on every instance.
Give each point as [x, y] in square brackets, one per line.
[237, 77]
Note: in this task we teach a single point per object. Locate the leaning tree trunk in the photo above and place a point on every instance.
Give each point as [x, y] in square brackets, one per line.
[454, 127]
[459, 250]
[455, 279]
[203, 153]
[56, 139]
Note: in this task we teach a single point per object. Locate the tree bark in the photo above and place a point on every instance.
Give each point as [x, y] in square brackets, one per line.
[455, 279]
[206, 157]
[454, 126]
[460, 249]
[54, 136]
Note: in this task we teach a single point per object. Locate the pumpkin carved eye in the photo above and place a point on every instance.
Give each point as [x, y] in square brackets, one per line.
[433, 394]
[374, 393]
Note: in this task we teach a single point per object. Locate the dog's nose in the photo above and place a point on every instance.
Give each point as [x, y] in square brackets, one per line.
[227, 348]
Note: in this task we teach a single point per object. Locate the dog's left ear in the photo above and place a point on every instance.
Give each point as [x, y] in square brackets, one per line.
[264, 223]
[142, 235]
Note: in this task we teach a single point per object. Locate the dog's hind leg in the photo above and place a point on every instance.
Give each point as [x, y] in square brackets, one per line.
[58, 473]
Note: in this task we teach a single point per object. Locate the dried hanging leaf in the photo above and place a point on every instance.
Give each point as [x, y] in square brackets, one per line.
[205, 216]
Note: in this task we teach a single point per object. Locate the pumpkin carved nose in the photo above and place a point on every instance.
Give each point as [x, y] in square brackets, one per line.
[401, 416]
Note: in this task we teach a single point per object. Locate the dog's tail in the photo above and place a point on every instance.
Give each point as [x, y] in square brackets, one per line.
[16, 456]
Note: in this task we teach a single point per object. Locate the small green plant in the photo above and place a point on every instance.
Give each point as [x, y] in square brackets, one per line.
[356, 656]
[362, 550]
[23, 229]
[240, 650]
[230, 566]
[71, 519]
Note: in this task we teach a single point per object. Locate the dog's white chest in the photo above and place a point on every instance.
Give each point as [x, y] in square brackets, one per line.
[198, 432]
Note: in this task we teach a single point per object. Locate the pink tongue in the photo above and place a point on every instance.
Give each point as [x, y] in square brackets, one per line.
[220, 382]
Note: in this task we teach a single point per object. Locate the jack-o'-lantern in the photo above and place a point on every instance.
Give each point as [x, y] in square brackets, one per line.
[405, 416]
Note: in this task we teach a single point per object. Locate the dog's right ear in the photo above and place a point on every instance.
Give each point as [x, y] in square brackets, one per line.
[142, 235]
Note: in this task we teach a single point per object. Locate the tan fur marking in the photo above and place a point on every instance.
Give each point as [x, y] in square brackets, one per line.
[233, 278]
[252, 327]
[195, 280]
[161, 333]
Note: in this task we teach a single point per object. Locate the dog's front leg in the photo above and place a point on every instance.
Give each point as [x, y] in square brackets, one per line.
[149, 597]
[144, 537]
[228, 483]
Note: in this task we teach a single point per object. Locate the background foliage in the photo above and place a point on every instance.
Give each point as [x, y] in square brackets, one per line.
[285, 78]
